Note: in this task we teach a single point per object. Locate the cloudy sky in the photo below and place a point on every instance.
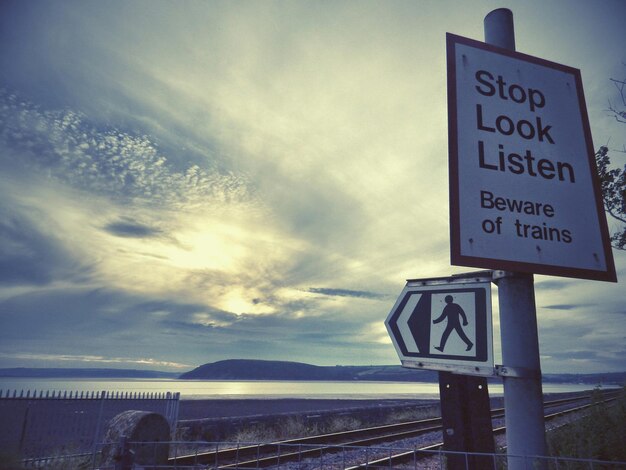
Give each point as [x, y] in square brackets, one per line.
[185, 182]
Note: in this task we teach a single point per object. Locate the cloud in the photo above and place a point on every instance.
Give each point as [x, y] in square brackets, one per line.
[106, 325]
[562, 307]
[29, 253]
[126, 228]
[346, 293]
[551, 285]
[100, 325]
[598, 338]
[575, 354]
[571, 360]
[199, 177]
[121, 165]
[91, 359]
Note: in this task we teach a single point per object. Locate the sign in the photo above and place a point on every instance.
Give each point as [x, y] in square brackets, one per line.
[442, 326]
[524, 195]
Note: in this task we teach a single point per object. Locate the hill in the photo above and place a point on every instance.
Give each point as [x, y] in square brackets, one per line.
[253, 369]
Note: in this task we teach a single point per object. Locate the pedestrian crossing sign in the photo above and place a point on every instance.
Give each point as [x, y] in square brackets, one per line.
[444, 324]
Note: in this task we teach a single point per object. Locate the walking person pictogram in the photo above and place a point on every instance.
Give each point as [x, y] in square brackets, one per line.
[452, 312]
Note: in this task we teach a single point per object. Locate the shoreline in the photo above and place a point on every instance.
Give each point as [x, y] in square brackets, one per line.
[195, 409]
[235, 408]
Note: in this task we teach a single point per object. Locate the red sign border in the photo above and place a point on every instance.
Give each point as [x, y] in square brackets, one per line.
[456, 258]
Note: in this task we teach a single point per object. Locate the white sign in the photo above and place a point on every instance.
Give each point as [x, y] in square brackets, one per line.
[444, 327]
[524, 195]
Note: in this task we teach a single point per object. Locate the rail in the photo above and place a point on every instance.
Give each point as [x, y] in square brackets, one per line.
[276, 453]
[408, 456]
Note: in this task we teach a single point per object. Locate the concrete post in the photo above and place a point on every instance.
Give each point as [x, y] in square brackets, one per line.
[523, 396]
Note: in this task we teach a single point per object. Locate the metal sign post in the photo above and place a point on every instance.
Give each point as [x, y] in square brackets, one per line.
[524, 197]
[523, 395]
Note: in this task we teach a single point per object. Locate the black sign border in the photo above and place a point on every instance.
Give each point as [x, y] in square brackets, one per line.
[456, 258]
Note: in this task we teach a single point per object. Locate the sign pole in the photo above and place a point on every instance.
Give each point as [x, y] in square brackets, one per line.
[523, 396]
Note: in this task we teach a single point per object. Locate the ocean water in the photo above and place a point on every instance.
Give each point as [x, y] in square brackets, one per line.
[204, 389]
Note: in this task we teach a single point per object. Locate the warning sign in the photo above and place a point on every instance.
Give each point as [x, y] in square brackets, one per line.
[524, 194]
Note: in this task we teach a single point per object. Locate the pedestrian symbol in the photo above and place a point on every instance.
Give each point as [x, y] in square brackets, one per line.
[439, 326]
[453, 313]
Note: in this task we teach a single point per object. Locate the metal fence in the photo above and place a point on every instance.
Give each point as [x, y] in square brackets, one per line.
[41, 424]
[192, 456]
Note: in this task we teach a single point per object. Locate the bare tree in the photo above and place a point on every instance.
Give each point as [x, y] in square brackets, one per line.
[619, 114]
[613, 180]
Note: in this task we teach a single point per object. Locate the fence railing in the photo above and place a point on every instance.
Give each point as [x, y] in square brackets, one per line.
[298, 456]
[38, 424]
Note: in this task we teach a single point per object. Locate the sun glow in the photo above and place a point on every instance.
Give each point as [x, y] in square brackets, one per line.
[243, 301]
[207, 249]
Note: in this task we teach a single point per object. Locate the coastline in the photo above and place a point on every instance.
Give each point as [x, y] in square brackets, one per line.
[236, 408]
[246, 407]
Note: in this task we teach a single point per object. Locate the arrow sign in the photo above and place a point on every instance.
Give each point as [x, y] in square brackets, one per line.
[444, 326]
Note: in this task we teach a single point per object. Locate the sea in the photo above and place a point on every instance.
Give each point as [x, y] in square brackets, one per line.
[252, 389]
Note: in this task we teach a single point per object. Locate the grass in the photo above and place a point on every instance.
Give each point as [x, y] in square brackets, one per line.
[290, 428]
[600, 435]
[294, 427]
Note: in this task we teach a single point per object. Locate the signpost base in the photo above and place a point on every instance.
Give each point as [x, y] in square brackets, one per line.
[466, 421]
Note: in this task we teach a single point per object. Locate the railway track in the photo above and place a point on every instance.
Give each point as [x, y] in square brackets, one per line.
[296, 450]
[426, 452]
